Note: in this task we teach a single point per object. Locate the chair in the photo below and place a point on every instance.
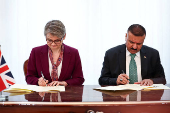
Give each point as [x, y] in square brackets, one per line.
[25, 67]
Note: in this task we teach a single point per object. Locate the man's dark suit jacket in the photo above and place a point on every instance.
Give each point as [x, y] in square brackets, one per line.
[71, 70]
[115, 62]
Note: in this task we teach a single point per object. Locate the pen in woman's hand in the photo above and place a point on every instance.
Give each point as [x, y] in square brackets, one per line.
[43, 77]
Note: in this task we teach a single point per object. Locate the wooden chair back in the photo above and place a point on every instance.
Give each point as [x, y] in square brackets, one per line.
[25, 67]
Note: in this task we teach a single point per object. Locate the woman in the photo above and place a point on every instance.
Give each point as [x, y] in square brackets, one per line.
[54, 63]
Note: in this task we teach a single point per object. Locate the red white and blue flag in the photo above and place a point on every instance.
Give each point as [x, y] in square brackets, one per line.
[6, 78]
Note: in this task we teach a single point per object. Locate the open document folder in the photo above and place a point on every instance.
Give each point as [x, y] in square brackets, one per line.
[134, 87]
[18, 88]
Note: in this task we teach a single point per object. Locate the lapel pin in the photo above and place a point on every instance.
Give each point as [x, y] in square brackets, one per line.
[144, 56]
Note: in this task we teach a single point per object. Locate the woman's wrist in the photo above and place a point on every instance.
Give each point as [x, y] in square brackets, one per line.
[64, 83]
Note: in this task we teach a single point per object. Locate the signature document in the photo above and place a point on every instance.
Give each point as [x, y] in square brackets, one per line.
[134, 87]
[31, 88]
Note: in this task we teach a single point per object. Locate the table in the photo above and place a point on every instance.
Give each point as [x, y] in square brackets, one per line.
[82, 99]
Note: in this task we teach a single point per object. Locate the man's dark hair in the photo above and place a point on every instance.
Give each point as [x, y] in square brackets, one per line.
[137, 30]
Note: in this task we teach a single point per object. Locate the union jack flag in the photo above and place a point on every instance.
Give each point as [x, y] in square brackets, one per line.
[6, 78]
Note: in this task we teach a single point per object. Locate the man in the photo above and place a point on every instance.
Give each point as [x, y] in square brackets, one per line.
[132, 62]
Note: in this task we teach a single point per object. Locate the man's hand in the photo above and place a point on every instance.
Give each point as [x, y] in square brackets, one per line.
[145, 82]
[41, 82]
[56, 83]
[122, 79]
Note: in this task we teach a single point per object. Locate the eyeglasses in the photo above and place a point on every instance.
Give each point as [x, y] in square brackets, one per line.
[55, 41]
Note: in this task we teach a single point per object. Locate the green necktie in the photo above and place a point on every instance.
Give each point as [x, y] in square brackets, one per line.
[133, 70]
[133, 96]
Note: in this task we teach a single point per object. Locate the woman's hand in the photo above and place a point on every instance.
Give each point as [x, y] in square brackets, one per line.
[42, 94]
[56, 83]
[42, 82]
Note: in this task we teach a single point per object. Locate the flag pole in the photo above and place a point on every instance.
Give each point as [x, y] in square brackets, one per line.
[3, 97]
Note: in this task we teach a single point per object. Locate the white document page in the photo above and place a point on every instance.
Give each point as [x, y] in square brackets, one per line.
[29, 88]
[134, 87]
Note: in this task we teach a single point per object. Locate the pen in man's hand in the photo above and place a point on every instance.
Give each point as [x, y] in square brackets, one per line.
[43, 77]
[124, 73]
